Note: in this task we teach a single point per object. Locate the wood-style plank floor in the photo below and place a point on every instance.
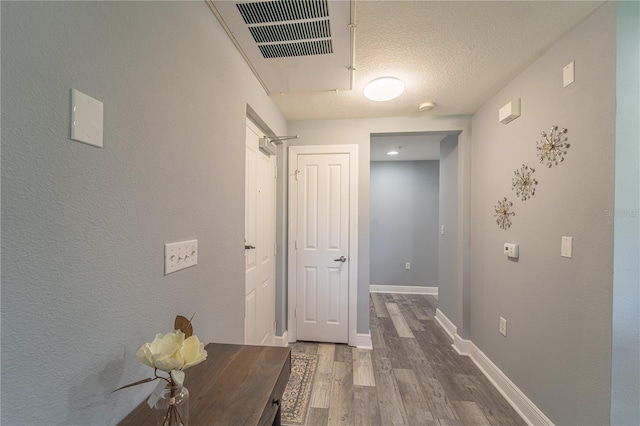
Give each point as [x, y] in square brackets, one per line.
[411, 377]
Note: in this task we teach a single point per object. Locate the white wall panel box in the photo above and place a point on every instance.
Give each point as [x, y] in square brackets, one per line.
[509, 112]
[511, 250]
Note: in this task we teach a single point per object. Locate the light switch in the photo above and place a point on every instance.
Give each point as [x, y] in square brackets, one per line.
[180, 255]
[568, 74]
[86, 119]
[566, 247]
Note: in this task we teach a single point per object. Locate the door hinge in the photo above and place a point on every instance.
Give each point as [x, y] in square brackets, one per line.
[295, 244]
[275, 249]
[295, 312]
[276, 173]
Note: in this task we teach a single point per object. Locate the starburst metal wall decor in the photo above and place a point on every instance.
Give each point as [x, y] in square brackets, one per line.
[504, 213]
[523, 183]
[552, 147]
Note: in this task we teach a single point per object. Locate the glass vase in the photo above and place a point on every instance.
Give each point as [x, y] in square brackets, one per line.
[172, 408]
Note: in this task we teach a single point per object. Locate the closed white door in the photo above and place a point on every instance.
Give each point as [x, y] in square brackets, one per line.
[322, 247]
[260, 225]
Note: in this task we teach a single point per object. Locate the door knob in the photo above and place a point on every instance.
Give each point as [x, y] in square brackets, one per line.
[341, 259]
[247, 247]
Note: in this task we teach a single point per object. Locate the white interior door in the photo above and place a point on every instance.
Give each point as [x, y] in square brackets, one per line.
[260, 234]
[322, 185]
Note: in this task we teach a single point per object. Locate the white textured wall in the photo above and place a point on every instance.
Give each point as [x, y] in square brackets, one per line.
[83, 228]
[404, 223]
[558, 348]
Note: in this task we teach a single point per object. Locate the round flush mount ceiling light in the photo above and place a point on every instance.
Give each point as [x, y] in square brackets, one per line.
[426, 106]
[394, 151]
[383, 89]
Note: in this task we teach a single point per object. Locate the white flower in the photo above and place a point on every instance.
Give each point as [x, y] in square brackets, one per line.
[164, 352]
[192, 352]
[171, 352]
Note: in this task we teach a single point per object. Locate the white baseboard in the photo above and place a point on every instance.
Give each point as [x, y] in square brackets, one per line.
[281, 340]
[363, 341]
[514, 396]
[462, 346]
[403, 289]
[446, 324]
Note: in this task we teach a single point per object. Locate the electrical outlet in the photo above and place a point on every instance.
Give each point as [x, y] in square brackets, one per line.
[407, 265]
[503, 327]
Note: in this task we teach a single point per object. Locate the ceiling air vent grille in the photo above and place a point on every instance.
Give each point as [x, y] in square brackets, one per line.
[282, 10]
[289, 28]
[289, 32]
[288, 50]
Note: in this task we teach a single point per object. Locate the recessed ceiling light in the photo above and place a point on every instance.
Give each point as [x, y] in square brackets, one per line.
[383, 89]
[392, 152]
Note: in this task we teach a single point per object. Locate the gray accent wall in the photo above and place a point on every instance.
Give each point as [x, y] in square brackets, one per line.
[404, 223]
[625, 362]
[558, 310]
[83, 228]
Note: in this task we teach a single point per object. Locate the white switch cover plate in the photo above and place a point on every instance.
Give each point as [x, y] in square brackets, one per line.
[180, 255]
[86, 119]
[568, 74]
[566, 247]
[503, 327]
[407, 265]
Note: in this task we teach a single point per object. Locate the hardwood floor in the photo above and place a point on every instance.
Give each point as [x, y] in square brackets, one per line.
[411, 377]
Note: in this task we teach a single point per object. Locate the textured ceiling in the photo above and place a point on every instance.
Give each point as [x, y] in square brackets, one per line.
[453, 53]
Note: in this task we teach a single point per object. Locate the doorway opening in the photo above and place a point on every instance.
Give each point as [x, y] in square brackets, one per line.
[413, 212]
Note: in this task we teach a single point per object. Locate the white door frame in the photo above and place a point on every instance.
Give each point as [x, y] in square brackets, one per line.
[294, 151]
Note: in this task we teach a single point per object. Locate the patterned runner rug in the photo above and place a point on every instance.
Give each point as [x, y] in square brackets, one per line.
[297, 395]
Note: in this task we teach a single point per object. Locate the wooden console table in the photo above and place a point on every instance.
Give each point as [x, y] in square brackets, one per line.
[236, 385]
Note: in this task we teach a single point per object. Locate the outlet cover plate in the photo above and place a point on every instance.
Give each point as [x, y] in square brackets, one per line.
[568, 74]
[566, 247]
[180, 255]
[86, 119]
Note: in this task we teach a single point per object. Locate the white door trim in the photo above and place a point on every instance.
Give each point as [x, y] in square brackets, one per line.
[352, 150]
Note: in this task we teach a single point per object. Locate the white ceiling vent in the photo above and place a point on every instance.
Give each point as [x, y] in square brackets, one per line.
[293, 45]
[293, 39]
[282, 10]
[284, 29]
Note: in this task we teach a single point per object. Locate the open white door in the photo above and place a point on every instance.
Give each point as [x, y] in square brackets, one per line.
[322, 231]
[260, 226]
